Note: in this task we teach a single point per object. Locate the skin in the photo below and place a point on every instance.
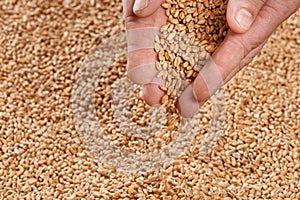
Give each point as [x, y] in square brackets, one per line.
[241, 45]
[152, 16]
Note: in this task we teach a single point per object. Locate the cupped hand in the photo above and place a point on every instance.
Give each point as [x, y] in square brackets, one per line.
[251, 23]
[143, 20]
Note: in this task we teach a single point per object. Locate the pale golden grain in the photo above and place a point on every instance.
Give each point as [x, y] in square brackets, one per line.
[43, 157]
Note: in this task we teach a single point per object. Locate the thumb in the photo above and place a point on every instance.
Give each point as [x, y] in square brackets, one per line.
[145, 8]
[236, 51]
[242, 13]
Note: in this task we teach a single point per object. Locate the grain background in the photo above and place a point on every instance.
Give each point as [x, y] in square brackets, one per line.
[42, 44]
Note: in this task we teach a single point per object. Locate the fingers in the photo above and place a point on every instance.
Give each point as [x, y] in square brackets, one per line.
[143, 19]
[141, 55]
[127, 7]
[242, 13]
[145, 8]
[205, 85]
[236, 51]
[152, 93]
[188, 104]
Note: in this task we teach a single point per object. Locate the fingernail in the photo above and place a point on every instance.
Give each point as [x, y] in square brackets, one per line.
[244, 18]
[188, 104]
[140, 5]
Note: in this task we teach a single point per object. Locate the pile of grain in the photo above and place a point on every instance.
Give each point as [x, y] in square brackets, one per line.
[42, 157]
[193, 32]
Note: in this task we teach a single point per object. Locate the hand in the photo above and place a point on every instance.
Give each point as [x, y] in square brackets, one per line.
[143, 20]
[251, 23]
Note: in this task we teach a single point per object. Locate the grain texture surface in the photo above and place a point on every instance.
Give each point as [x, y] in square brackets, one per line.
[43, 43]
